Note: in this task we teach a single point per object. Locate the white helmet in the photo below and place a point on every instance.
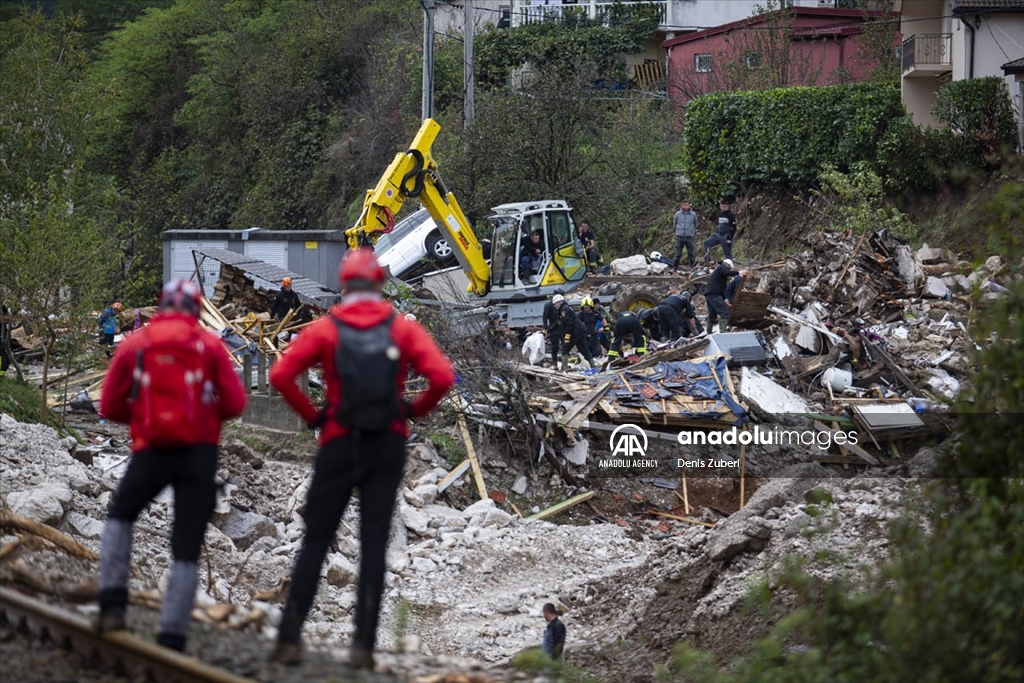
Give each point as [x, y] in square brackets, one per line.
[727, 262]
[557, 299]
[655, 255]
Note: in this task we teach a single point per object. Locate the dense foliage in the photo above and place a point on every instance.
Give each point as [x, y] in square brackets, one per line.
[783, 136]
[979, 115]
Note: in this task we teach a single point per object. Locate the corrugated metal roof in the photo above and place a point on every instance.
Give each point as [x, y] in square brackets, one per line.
[309, 291]
[971, 6]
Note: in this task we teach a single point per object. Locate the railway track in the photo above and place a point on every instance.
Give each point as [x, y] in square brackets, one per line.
[123, 652]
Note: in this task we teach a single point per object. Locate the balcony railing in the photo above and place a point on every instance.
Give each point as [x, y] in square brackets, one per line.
[535, 11]
[927, 50]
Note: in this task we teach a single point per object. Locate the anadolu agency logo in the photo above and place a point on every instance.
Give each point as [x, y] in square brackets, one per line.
[625, 442]
[628, 444]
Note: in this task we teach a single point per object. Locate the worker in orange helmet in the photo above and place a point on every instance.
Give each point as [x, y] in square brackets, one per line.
[366, 351]
[285, 300]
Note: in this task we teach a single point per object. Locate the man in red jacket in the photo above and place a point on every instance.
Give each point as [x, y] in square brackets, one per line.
[365, 351]
[174, 384]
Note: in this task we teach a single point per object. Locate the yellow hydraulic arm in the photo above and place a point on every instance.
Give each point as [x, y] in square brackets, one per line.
[413, 173]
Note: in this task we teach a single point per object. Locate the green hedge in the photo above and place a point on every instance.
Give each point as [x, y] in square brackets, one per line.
[783, 136]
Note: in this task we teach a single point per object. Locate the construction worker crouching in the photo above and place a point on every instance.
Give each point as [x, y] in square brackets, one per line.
[366, 352]
[174, 384]
[627, 326]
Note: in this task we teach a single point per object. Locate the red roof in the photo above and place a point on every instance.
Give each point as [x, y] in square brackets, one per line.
[851, 21]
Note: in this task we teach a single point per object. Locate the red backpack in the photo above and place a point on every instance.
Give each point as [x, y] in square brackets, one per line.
[169, 391]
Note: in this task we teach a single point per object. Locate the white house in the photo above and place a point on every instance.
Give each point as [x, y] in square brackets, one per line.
[946, 40]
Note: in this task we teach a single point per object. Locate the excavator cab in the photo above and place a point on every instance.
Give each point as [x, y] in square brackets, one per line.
[513, 268]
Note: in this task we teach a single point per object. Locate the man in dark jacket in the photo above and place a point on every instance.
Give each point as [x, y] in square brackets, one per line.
[550, 323]
[138, 391]
[572, 331]
[553, 643]
[592, 322]
[714, 292]
[683, 307]
[627, 326]
[349, 455]
[285, 301]
[726, 232]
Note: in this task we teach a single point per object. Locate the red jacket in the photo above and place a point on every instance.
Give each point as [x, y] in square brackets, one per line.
[316, 345]
[116, 401]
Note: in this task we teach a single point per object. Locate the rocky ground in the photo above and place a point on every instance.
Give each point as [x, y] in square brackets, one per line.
[465, 586]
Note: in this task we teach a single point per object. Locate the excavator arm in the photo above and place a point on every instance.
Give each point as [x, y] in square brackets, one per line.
[414, 173]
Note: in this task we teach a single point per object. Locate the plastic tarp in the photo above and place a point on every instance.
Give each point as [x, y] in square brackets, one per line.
[697, 380]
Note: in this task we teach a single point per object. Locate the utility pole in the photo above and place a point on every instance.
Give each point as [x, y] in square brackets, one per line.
[468, 113]
[428, 58]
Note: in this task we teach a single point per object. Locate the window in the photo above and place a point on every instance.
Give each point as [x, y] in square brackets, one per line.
[504, 17]
[753, 60]
[702, 63]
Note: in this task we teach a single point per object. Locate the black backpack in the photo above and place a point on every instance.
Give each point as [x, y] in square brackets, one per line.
[367, 363]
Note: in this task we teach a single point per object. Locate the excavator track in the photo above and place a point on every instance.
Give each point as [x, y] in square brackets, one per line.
[138, 659]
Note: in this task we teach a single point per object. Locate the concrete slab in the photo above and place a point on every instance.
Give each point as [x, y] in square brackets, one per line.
[767, 396]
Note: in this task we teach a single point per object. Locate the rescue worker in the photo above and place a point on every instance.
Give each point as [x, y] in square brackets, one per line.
[175, 428]
[550, 323]
[735, 285]
[493, 338]
[683, 308]
[286, 300]
[586, 247]
[571, 330]
[651, 324]
[726, 232]
[108, 323]
[605, 324]
[553, 643]
[714, 293]
[627, 326]
[592, 322]
[361, 344]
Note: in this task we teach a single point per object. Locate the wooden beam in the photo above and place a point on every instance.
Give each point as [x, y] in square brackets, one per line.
[564, 505]
[450, 478]
[478, 475]
[853, 448]
[877, 352]
[678, 518]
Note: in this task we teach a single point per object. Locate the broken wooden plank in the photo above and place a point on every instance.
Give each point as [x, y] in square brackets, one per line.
[853, 448]
[478, 475]
[794, 318]
[452, 476]
[680, 519]
[564, 505]
[877, 352]
[581, 410]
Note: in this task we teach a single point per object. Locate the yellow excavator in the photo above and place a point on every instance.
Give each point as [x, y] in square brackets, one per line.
[507, 278]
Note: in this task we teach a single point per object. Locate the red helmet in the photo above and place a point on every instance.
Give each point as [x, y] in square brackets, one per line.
[360, 264]
[183, 295]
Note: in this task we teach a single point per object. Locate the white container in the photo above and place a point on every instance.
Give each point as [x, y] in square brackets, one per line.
[837, 378]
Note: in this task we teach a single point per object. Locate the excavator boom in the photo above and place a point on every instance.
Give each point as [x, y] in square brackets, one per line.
[414, 173]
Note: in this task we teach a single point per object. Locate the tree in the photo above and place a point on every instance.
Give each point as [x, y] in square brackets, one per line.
[58, 220]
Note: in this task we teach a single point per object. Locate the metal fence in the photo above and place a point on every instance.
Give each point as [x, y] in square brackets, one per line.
[931, 49]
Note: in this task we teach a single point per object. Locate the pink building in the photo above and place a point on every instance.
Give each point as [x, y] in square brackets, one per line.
[788, 47]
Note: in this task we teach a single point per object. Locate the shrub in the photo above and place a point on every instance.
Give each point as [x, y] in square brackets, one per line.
[783, 136]
[902, 159]
[979, 112]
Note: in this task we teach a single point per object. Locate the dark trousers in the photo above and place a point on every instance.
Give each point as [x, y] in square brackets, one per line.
[669, 323]
[684, 242]
[556, 342]
[714, 240]
[595, 345]
[374, 463]
[581, 343]
[717, 307]
[191, 471]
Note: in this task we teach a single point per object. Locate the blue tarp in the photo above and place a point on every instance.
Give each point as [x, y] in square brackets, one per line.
[698, 381]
